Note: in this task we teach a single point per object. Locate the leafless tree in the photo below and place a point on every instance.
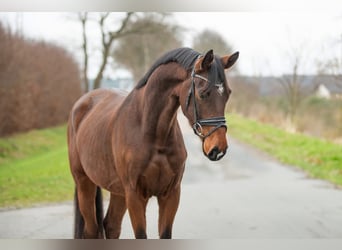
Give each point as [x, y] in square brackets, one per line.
[83, 17]
[292, 83]
[208, 39]
[291, 86]
[137, 52]
[108, 37]
[332, 66]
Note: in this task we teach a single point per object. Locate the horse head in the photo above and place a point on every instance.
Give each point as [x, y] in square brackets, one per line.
[203, 101]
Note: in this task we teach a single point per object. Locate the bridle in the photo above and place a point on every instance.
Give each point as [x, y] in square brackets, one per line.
[216, 122]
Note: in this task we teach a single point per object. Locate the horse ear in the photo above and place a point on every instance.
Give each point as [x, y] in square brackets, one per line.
[208, 59]
[205, 62]
[229, 60]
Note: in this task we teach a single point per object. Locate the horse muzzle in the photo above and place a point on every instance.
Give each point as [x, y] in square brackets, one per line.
[216, 154]
[215, 146]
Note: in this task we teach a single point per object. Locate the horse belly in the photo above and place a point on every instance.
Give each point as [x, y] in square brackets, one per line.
[158, 178]
[100, 169]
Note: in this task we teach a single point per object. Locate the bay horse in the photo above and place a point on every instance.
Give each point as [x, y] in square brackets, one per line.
[132, 145]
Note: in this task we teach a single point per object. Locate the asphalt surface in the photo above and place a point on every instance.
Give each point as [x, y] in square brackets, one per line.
[245, 195]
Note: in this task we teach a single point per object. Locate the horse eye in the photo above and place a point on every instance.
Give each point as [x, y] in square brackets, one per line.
[205, 94]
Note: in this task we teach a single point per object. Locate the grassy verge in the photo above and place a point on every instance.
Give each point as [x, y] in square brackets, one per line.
[34, 168]
[319, 158]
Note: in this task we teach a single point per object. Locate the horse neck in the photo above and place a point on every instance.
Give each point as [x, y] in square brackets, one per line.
[159, 102]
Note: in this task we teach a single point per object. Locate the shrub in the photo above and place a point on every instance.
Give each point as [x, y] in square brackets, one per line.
[39, 82]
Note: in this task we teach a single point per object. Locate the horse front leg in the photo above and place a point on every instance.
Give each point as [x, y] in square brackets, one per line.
[168, 206]
[115, 213]
[136, 205]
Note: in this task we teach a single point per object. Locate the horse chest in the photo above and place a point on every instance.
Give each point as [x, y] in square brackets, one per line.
[158, 177]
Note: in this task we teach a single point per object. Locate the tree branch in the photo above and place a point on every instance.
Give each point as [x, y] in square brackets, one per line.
[107, 44]
[123, 24]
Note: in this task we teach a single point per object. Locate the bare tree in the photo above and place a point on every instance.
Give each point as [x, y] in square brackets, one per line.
[208, 39]
[291, 86]
[108, 38]
[137, 52]
[332, 66]
[83, 17]
[292, 83]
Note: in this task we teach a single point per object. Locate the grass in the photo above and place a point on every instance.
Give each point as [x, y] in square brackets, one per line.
[319, 158]
[34, 168]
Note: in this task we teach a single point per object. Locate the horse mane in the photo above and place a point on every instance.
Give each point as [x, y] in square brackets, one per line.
[186, 57]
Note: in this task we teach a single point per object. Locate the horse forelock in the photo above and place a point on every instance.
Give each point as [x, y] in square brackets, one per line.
[216, 72]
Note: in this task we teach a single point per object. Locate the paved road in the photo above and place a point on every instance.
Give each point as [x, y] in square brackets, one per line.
[245, 195]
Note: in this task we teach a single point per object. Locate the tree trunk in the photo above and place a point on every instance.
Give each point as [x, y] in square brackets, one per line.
[85, 79]
[99, 76]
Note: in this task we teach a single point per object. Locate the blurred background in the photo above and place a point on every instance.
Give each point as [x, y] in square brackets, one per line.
[289, 75]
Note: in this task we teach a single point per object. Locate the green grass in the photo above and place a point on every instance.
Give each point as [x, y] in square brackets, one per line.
[34, 168]
[319, 158]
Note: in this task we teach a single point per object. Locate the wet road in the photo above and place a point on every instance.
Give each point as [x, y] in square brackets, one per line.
[245, 195]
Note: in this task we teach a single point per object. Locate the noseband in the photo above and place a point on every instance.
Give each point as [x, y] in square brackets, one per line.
[215, 122]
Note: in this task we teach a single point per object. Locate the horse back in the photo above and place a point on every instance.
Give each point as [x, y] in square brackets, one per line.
[89, 101]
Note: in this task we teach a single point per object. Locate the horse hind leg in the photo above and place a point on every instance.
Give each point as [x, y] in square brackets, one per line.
[86, 201]
[99, 210]
[116, 211]
[79, 221]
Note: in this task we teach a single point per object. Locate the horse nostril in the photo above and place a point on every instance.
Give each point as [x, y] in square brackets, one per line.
[215, 154]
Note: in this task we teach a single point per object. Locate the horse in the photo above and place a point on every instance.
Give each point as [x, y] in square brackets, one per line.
[131, 144]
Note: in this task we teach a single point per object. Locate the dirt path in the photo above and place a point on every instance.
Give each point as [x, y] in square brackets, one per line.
[245, 195]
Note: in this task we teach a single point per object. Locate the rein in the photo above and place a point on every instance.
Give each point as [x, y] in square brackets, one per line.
[216, 122]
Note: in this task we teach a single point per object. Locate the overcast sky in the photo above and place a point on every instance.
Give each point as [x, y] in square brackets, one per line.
[265, 39]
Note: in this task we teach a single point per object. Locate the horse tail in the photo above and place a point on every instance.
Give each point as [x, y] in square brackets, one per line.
[79, 221]
[99, 209]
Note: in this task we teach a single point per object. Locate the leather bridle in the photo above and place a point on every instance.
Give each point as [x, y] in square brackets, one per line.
[215, 122]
